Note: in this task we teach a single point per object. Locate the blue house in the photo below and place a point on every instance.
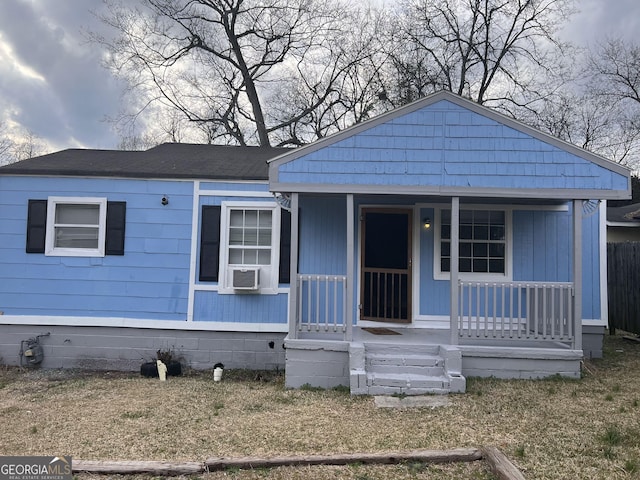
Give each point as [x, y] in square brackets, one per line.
[434, 242]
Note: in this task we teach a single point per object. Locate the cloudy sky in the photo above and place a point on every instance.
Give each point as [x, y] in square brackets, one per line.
[52, 82]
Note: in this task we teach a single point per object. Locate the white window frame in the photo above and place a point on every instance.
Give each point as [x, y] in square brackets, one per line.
[507, 276]
[269, 274]
[50, 247]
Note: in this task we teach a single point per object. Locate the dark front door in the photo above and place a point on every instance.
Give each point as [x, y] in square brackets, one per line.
[385, 292]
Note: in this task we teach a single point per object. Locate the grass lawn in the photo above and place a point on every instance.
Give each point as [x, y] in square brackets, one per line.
[551, 429]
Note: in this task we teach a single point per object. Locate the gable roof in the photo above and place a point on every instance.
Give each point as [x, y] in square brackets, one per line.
[444, 144]
[169, 160]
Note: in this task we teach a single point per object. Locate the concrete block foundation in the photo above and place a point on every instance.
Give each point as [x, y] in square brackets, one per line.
[115, 348]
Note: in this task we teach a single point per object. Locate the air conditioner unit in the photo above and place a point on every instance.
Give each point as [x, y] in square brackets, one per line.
[245, 278]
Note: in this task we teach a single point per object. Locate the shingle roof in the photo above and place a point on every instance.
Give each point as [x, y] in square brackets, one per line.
[169, 160]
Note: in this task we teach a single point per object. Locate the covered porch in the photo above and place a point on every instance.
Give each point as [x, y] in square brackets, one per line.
[357, 328]
[476, 240]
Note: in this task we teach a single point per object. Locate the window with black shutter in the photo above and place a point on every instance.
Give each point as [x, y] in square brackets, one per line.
[76, 227]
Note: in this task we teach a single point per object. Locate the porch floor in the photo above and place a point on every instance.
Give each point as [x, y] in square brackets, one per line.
[427, 336]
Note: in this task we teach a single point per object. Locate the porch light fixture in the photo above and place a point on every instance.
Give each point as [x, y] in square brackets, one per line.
[427, 223]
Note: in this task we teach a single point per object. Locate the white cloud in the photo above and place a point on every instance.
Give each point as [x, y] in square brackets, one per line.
[51, 79]
[598, 19]
[9, 63]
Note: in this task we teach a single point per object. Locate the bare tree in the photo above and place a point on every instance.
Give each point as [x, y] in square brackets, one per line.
[18, 144]
[616, 69]
[136, 142]
[340, 86]
[586, 118]
[28, 146]
[614, 82]
[600, 110]
[6, 145]
[219, 62]
[492, 51]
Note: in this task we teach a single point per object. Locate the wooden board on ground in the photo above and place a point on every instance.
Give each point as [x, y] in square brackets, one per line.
[497, 461]
[500, 464]
[426, 456]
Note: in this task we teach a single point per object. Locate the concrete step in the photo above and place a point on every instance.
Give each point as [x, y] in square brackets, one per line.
[381, 390]
[393, 369]
[375, 359]
[401, 349]
[407, 381]
[408, 369]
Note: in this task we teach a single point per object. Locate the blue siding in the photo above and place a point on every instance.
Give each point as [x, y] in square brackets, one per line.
[235, 187]
[542, 251]
[590, 268]
[213, 307]
[149, 281]
[210, 306]
[542, 246]
[446, 145]
[323, 235]
[434, 294]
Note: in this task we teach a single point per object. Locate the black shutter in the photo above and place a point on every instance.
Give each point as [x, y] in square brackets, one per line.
[116, 221]
[210, 243]
[285, 247]
[36, 225]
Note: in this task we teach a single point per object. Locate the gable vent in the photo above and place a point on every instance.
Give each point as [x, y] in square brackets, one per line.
[245, 278]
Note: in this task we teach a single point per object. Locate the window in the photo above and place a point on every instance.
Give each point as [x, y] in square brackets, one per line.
[76, 226]
[482, 245]
[249, 238]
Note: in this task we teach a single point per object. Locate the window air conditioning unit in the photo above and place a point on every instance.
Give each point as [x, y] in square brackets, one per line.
[245, 278]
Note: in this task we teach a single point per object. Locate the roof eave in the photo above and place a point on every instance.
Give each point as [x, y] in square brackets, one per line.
[447, 191]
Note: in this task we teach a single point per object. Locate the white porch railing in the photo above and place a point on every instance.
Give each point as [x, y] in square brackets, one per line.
[535, 311]
[509, 311]
[322, 303]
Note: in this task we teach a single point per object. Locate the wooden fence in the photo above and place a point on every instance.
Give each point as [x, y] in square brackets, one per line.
[624, 286]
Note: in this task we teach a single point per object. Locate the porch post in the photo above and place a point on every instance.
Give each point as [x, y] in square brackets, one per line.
[350, 268]
[293, 279]
[577, 273]
[454, 266]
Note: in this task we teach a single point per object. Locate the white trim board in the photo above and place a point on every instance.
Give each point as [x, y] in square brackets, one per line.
[622, 224]
[193, 261]
[418, 323]
[141, 323]
[235, 193]
[602, 253]
[453, 191]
